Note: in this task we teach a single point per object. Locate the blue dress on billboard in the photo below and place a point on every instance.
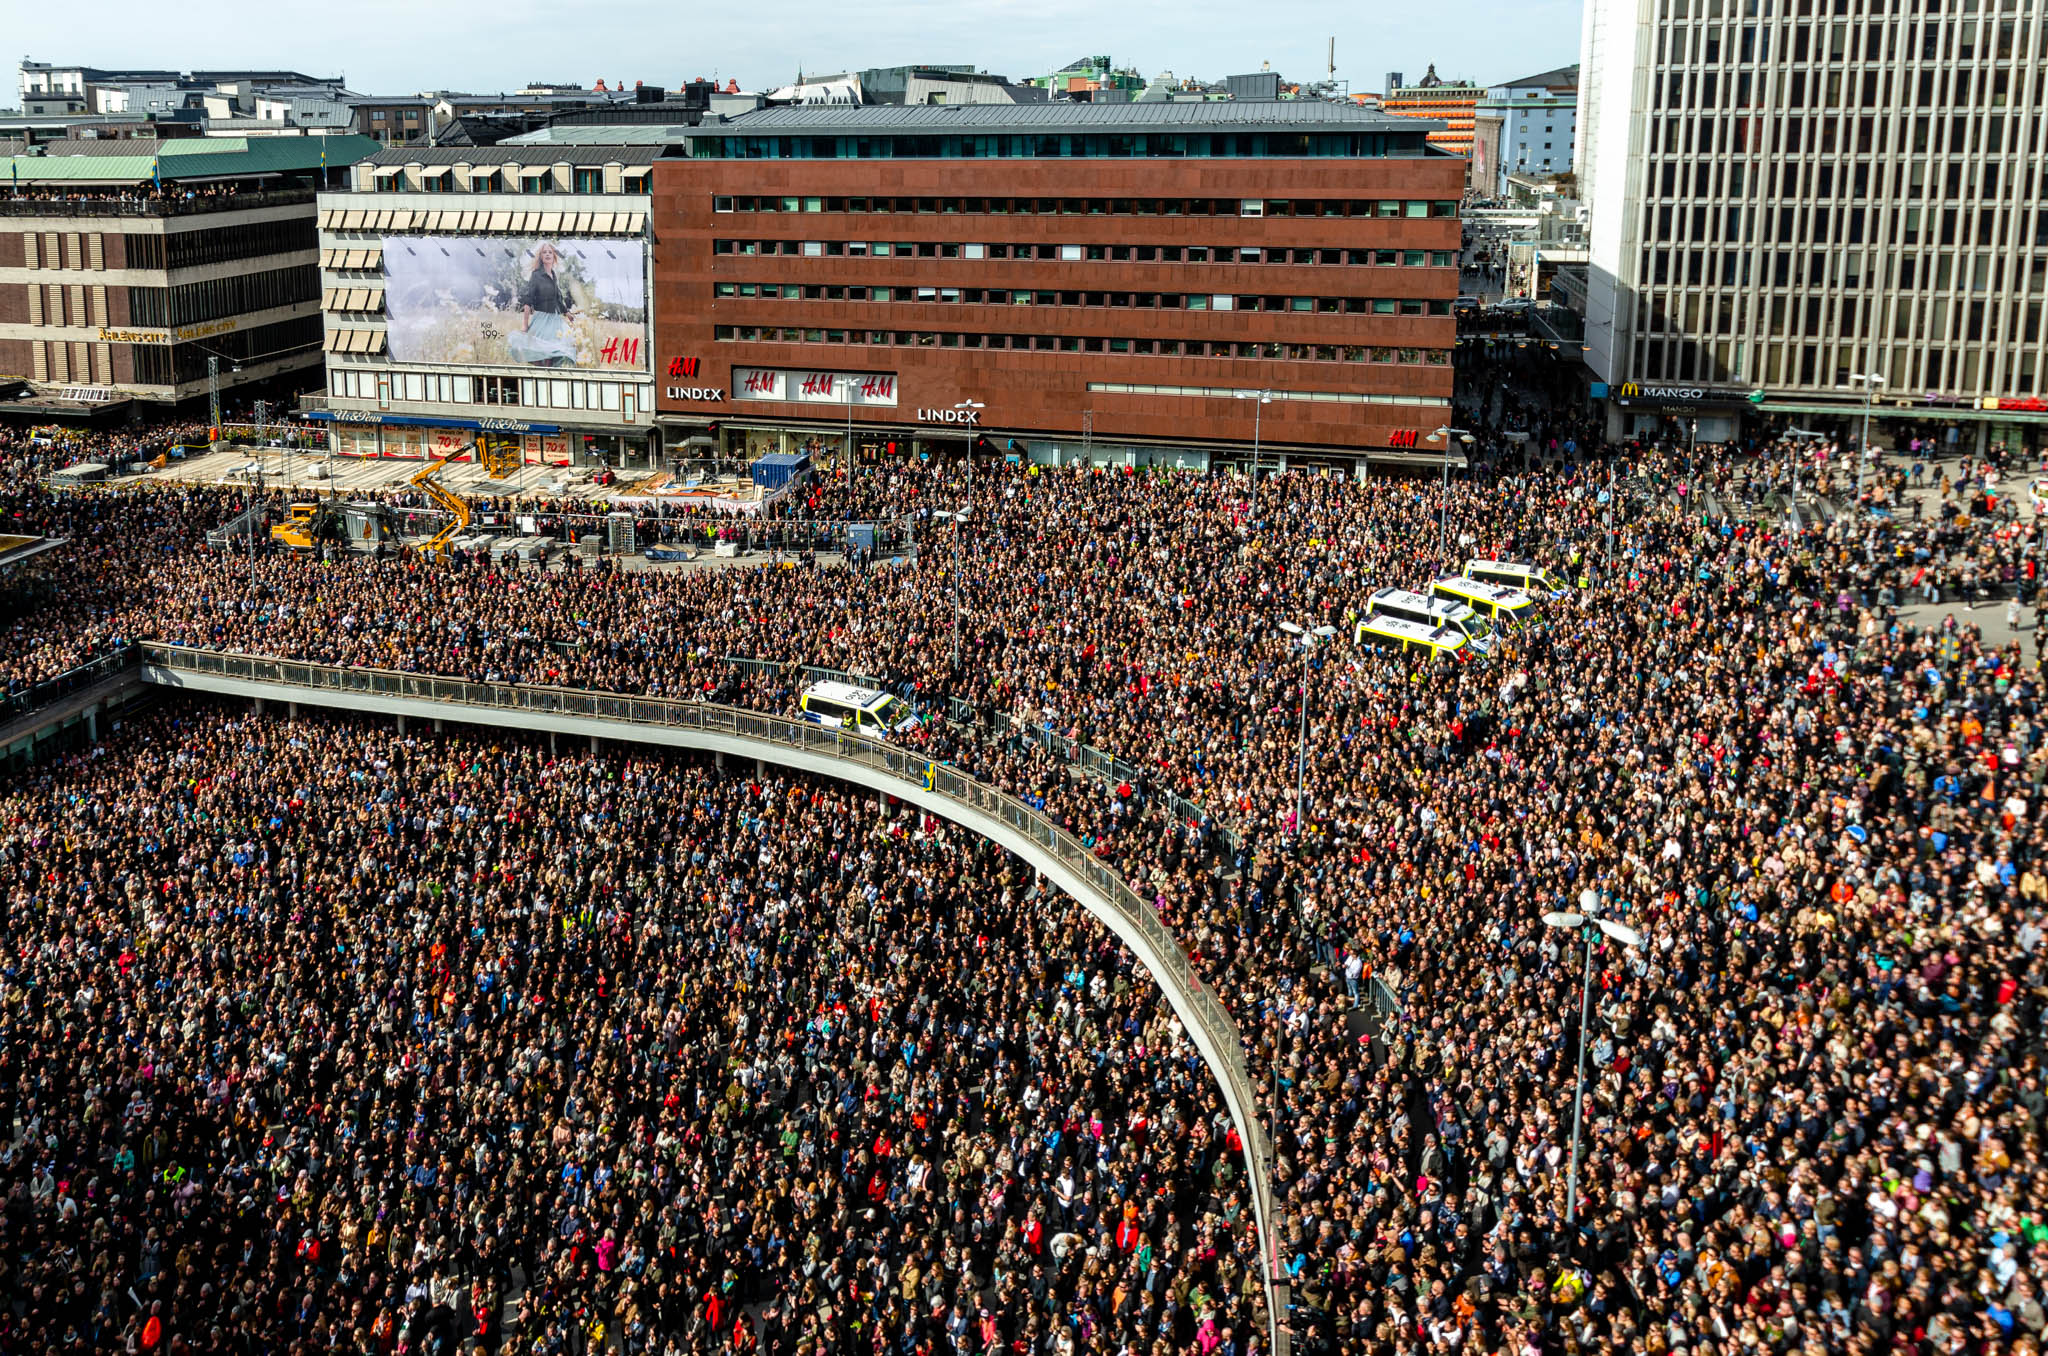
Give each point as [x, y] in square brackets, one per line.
[545, 341]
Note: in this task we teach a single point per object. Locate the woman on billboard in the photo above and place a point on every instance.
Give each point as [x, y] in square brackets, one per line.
[545, 308]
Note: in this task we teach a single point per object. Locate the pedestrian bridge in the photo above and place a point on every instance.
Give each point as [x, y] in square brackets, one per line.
[803, 747]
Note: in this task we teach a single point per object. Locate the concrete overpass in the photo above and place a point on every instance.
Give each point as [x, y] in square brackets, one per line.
[732, 732]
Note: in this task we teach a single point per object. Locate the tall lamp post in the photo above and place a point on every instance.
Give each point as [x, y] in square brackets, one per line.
[1801, 435]
[1264, 398]
[957, 517]
[968, 409]
[1588, 923]
[1443, 435]
[1869, 381]
[1307, 638]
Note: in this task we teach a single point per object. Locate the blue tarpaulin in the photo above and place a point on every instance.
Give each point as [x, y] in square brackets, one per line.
[777, 469]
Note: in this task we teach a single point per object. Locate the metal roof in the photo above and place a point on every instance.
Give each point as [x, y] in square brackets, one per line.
[605, 134]
[509, 153]
[132, 162]
[937, 119]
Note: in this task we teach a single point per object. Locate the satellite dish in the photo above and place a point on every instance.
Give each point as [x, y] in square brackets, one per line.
[1620, 932]
[1563, 920]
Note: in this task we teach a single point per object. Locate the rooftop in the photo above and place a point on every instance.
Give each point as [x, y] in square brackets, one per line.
[607, 152]
[1563, 76]
[183, 159]
[937, 119]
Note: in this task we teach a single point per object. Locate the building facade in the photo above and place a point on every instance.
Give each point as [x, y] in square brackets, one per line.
[490, 302]
[1453, 103]
[107, 285]
[1106, 280]
[1785, 204]
[1532, 123]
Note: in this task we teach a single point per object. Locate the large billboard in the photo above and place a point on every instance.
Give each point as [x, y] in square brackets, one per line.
[517, 301]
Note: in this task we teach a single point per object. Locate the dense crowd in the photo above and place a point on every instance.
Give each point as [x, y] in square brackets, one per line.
[1814, 1097]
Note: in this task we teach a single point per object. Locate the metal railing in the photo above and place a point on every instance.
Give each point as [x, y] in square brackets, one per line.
[1014, 733]
[149, 207]
[22, 701]
[1173, 969]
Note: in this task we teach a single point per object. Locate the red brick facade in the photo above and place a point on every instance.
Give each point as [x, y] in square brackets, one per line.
[1335, 327]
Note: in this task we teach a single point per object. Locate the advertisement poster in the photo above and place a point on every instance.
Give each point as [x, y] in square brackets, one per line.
[517, 301]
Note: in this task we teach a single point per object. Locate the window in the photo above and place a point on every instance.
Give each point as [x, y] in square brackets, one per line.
[1070, 254]
[974, 251]
[1252, 207]
[589, 181]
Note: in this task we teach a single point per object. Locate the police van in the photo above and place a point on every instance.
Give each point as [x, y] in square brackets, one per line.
[1434, 613]
[1501, 605]
[1517, 574]
[864, 710]
[1392, 633]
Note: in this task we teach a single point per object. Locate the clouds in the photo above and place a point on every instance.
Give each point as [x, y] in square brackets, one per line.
[400, 46]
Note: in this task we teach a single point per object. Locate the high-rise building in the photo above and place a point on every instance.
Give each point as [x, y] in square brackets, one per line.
[1790, 199]
[1531, 124]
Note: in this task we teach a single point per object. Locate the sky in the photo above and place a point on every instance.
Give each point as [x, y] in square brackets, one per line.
[404, 46]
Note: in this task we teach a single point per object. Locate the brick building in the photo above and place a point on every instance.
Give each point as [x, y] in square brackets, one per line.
[125, 265]
[1106, 280]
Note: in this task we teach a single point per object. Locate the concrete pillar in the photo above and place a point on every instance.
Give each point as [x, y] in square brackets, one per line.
[292, 709]
[718, 759]
[259, 706]
[437, 725]
[593, 744]
[92, 726]
[401, 724]
[551, 741]
[760, 769]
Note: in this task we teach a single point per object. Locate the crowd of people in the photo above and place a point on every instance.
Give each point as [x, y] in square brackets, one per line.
[1813, 1098]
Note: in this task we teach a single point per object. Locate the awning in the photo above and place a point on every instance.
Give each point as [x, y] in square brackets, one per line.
[638, 224]
[535, 171]
[550, 222]
[326, 219]
[500, 221]
[387, 171]
[430, 421]
[352, 221]
[401, 219]
[435, 171]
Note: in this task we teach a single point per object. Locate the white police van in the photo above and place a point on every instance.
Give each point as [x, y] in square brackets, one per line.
[863, 710]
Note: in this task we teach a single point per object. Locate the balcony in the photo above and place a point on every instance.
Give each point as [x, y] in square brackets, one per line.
[137, 205]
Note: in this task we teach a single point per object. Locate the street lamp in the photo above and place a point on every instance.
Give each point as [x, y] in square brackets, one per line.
[1443, 435]
[1801, 434]
[957, 517]
[1307, 638]
[967, 409]
[1588, 923]
[1869, 381]
[1264, 398]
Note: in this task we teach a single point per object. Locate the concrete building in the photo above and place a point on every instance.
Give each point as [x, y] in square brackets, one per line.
[1450, 102]
[1530, 124]
[1785, 202]
[430, 341]
[126, 265]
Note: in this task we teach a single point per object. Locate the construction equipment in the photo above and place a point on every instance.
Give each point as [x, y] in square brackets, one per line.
[307, 526]
[453, 503]
[502, 456]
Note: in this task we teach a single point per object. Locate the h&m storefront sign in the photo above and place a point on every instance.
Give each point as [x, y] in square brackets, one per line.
[810, 386]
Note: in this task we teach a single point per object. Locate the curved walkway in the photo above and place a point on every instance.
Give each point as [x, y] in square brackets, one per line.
[805, 747]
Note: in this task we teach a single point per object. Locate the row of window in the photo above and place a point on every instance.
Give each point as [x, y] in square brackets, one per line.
[441, 388]
[1988, 271]
[1078, 254]
[1074, 146]
[1845, 41]
[223, 244]
[1099, 207]
[218, 298]
[1067, 343]
[1966, 370]
[490, 181]
[180, 364]
[1150, 301]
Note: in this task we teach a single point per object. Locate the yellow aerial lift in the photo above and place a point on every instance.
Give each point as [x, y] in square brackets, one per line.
[455, 504]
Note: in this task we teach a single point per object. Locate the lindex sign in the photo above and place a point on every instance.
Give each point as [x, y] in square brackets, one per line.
[950, 417]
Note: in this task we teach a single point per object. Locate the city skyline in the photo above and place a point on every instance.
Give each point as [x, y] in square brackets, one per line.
[389, 48]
